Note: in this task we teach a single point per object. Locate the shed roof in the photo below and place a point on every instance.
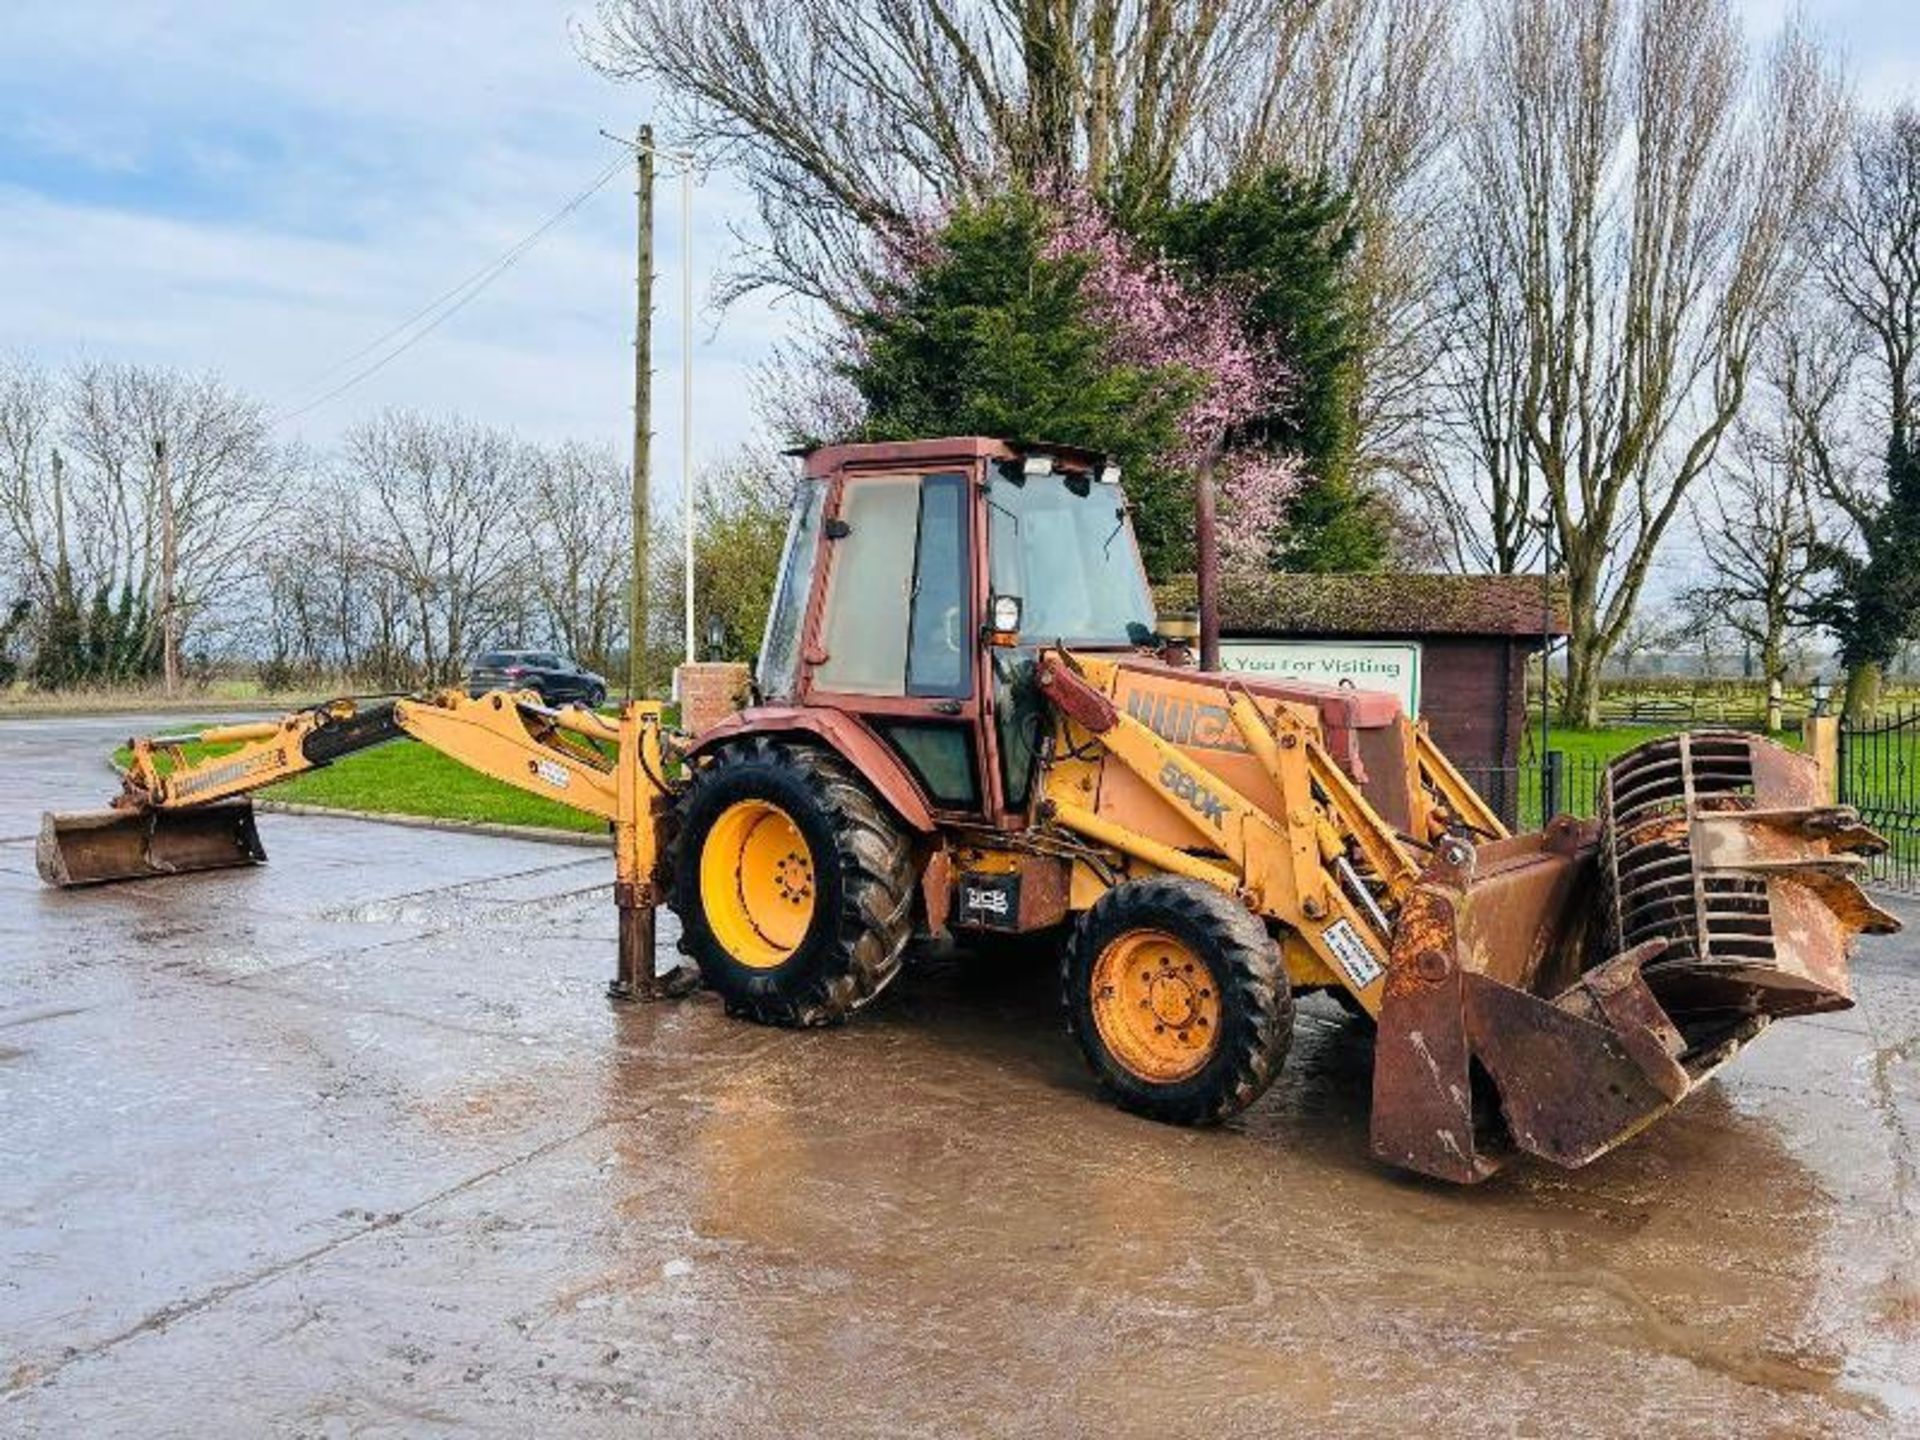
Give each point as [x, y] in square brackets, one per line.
[1378, 604]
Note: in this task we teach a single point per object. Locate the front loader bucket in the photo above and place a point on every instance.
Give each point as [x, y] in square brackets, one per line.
[96, 847]
[1579, 983]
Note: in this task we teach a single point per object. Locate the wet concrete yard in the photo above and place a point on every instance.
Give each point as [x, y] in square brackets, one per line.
[354, 1145]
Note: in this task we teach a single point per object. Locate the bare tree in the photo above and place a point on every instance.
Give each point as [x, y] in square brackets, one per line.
[1646, 633]
[582, 549]
[222, 494]
[446, 497]
[30, 492]
[1758, 528]
[1481, 486]
[1873, 265]
[1642, 192]
[1861, 430]
[850, 117]
[1363, 91]
[81, 502]
[850, 120]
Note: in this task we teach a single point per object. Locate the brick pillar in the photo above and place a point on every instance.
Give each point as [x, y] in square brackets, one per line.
[1823, 744]
[709, 692]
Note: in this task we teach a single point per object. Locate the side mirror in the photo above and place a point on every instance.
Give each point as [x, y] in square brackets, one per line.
[1003, 626]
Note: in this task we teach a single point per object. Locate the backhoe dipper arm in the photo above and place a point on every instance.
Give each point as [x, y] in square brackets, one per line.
[269, 751]
[511, 737]
[175, 813]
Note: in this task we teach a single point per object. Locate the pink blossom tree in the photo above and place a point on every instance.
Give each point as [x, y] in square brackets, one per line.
[1155, 320]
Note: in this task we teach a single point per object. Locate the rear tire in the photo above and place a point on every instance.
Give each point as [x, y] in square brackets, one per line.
[793, 884]
[1179, 1000]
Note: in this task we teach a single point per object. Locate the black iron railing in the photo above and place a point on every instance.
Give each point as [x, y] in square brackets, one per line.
[1880, 777]
[1526, 795]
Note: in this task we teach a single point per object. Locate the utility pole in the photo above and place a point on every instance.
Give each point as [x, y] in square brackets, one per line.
[642, 411]
[688, 518]
[169, 566]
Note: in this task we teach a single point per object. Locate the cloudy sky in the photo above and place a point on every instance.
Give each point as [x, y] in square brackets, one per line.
[264, 189]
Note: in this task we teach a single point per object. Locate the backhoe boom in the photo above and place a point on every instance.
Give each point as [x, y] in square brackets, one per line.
[181, 811]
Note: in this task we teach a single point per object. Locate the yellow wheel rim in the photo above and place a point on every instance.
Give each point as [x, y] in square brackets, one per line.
[1156, 1006]
[756, 883]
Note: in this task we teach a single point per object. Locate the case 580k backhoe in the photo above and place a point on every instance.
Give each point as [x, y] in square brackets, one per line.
[966, 723]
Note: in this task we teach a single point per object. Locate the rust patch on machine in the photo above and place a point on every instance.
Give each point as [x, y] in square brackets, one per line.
[1731, 893]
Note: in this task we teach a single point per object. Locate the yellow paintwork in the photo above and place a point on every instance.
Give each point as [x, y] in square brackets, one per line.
[615, 769]
[1437, 771]
[1253, 805]
[521, 744]
[1156, 1006]
[1180, 816]
[756, 883]
[509, 735]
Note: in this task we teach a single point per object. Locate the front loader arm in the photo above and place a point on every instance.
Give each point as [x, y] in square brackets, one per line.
[1288, 866]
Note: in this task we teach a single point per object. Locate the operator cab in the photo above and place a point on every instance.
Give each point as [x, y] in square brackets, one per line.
[918, 582]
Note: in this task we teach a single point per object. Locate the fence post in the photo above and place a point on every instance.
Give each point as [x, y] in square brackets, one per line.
[1822, 734]
[1552, 785]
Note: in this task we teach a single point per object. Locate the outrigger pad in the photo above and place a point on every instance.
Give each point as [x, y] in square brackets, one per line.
[97, 847]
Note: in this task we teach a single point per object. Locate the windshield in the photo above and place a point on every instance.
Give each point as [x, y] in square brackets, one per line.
[1065, 546]
[780, 647]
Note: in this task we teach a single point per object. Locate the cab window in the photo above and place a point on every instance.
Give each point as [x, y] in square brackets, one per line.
[897, 618]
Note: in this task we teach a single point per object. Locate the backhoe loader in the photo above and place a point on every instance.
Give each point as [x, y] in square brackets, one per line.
[966, 724]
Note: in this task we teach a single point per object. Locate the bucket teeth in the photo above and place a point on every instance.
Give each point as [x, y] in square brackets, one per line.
[97, 847]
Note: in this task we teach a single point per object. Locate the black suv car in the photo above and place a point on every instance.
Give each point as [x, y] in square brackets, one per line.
[557, 678]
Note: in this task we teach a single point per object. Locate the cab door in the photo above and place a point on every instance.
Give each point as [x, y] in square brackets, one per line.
[895, 637]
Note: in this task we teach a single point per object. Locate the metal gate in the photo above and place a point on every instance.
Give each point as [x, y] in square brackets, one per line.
[1880, 777]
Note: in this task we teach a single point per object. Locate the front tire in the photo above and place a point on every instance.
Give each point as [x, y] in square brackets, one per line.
[793, 884]
[1179, 1000]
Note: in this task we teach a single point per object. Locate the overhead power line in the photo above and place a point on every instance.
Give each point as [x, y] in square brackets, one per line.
[436, 312]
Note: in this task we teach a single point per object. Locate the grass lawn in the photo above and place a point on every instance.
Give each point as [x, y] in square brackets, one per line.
[20, 699]
[1600, 746]
[1587, 753]
[406, 778]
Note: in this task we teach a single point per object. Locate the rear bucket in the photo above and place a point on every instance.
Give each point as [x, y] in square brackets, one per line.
[98, 847]
[1728, 897]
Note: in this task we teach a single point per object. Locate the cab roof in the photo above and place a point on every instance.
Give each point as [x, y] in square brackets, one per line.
[824, 460]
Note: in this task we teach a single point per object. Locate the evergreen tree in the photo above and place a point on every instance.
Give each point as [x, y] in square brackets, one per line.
[992, 335]
[60, 658]
[17, 616]
[1286, 242]
[1872, 603]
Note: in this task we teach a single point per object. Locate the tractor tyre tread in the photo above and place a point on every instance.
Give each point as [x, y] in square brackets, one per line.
[859, 951]
[1257, 1026]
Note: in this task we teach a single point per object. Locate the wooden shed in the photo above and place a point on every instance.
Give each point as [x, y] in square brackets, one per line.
[1454, 648]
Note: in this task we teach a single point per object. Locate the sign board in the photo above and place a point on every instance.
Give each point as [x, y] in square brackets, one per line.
[1389, 665]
